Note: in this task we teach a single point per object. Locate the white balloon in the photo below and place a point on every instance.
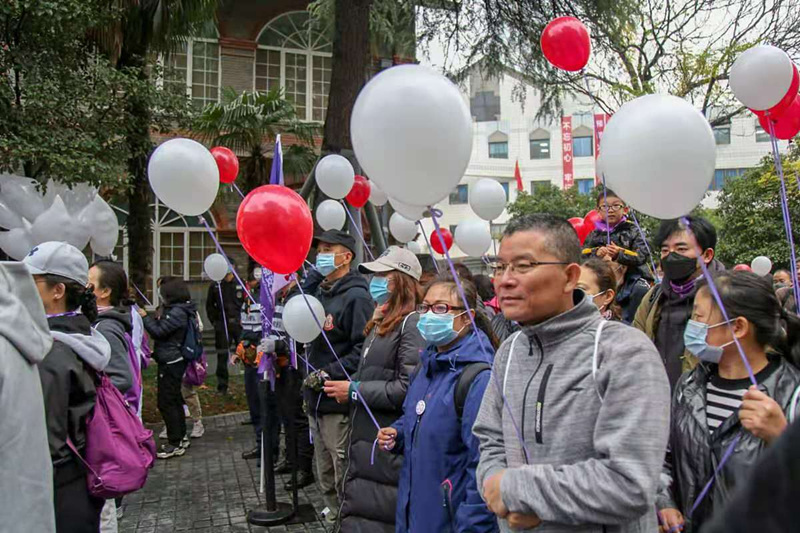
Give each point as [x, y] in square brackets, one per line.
[9, 219]
[298, 320]
[23, 195]
[659, 155]
[335, 176]
[487, 198]
[403, 229]
[184, 176]
[411, 212]
[54, 188]
[215, 267]
[761, 265]
[473, 237]
[330, 215]
[77, 198]
[56, 224]
[761, 77]
[17, 242]
[414, 247]
[412, 133]
[104, 227]
[376, 194]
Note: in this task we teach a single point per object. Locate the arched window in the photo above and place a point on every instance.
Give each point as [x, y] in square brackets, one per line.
[295, 54]
[194, 68]
[498, 145]
[540, 144]
[582, 142]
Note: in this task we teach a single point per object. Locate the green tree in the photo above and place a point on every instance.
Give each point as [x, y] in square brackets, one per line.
[246, 121]
[554, 200]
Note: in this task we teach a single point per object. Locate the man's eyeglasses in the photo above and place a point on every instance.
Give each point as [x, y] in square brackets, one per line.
[436, 309]
[521, 267]
[611, 208]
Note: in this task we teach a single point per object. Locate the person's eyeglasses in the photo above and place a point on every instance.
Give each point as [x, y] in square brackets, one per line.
[436, 309]
[521, 267]
[611, 208]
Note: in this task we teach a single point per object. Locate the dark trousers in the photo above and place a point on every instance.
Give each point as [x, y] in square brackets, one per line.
[223, 346]
[290, 407]
[170, 400]
[254, 390]
[77, 511]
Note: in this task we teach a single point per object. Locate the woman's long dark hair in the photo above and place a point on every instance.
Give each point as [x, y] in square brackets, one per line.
[77, 296]
[606, 281]
[403, 300]
[174, 291]
[748, 295]
[113, 277]
[446, 278]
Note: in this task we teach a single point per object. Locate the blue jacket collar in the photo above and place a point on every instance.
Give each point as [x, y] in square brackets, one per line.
[468, 350]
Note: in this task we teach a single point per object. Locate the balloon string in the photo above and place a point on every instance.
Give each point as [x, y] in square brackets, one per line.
[713, 287]
[430, 248]
[224, 318]
[647, 247]
[358, 230]
[787, 221]
[237, 189]
[434, 214]
[724, 460]
[141, 294]
[330, 347]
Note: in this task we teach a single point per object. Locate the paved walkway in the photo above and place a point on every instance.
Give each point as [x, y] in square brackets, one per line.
[210, 488]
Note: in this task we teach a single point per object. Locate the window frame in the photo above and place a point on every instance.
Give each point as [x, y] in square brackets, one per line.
[722, 127]
[190, 67]
[490, 143]
[578, 181]
[455, 194]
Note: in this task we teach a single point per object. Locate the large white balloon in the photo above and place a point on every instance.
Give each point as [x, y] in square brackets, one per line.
[21, 193]
[659, 155]
[412, 133]
[487, 198]
[184, 176]
[215, 267]
[17, 242]
[761, 77]
[101, 221]
[335, 176]
[9, 219]
[403, 229]
[411, 212]
[56, 224]
[298, 320]
[761, 265]
[376, 194]
[414, 247]
[77, 198]
[330, 215]
[473, 237]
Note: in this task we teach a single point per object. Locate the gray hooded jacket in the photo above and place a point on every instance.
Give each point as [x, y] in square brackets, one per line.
[594, 464]
[27, 481]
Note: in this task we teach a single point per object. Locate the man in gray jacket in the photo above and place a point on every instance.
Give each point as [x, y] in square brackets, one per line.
[27, 481]
[595, 429]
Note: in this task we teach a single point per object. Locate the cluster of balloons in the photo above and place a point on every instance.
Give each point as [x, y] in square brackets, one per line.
[337, 179]
[765, 80]
[760, 265]
[584, 226]
[77, 216]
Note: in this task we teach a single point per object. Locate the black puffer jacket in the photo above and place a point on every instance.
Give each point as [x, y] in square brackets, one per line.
[694, 453]
[630, 295]
[232, 300]
[625, 235]
[348, 306]
[370, 490]
[114, 324]
[169, 331]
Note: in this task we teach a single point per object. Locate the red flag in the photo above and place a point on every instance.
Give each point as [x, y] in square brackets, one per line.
[518, 177]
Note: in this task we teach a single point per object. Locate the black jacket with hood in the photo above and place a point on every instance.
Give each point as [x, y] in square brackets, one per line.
[169, 331]
[68, 382]
[114, 324]
[348, 307]
[232, 300]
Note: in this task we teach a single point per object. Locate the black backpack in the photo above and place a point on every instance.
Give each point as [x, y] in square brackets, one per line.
[463, 384]
[192, 347]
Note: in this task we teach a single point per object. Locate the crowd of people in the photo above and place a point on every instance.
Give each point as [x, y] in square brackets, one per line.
[573, 389]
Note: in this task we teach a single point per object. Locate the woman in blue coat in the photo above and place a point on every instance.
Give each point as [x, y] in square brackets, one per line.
[437, 490]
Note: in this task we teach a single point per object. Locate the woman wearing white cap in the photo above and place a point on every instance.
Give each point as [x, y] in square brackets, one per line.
[390, 354]
[61, 273]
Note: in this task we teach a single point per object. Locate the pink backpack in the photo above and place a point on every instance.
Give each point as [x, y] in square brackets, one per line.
[119, 450]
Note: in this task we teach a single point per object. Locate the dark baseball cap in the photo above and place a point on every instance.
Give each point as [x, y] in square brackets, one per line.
[337, 236]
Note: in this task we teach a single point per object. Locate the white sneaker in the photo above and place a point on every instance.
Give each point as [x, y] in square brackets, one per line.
[197, 430]
[163, 434]
[185, 442]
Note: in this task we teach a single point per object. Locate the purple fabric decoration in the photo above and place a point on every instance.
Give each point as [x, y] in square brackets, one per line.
[602, 226]
[358, 229]
[686, 288]
[267, 302]
[276, 172]
[435, 213]
[430, 250]
[647, 246]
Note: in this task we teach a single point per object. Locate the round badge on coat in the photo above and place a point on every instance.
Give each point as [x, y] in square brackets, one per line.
[420, 407]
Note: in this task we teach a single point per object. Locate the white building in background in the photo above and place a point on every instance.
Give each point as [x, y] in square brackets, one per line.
[505, 132]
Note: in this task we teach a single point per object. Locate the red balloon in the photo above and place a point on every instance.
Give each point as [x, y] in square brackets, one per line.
[275, 227]
[592, 217]
[359, 194]
[227, 162]
[575, 220]
[581, 228]
[743, 268]
[787, 100]
[436, 244]
[565, 43]
[787, 124]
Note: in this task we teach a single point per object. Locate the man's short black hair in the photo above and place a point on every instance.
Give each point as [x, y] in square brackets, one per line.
[561, 240]
[703, 230]
[608, 192]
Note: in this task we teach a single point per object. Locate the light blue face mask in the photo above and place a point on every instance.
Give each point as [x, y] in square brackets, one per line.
[437, 329]
[326, 263]
[694, 338]
[379, 290]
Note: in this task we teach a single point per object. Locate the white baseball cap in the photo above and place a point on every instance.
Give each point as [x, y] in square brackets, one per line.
[59, 259]
[394, 258]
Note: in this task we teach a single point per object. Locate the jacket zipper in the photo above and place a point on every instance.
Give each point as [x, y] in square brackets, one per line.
[447, 502]
[540, 403]
[530, 380]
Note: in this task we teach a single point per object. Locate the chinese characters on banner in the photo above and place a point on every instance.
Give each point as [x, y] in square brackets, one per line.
[566, 151]
[600, 121]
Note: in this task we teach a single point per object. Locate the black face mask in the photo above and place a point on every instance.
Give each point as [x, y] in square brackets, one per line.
[677, 267]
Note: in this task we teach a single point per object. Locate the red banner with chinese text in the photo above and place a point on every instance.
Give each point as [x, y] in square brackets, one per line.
[566, 151]
[600, 121]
